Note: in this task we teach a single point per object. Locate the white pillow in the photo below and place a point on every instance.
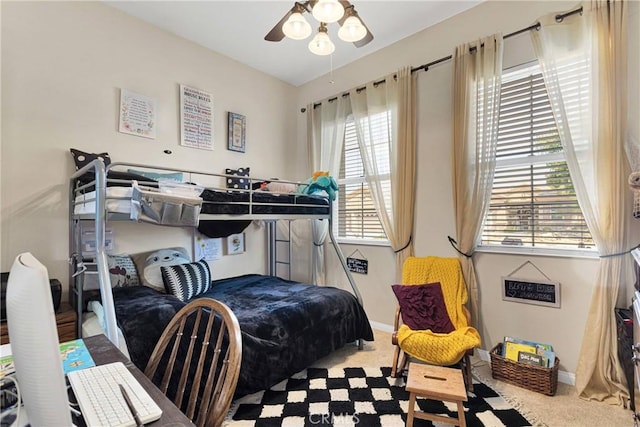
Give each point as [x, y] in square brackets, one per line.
[148, 265]
[282, 187]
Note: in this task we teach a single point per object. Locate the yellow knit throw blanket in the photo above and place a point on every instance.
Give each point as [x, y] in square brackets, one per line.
[441, 349]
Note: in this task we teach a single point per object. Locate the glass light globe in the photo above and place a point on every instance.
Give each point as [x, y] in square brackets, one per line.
[352, 30]
[321, 44]
[296, 27]
[327, 11]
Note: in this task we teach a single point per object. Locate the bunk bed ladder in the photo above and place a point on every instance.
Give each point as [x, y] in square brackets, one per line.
[271, 247]
[274, 242]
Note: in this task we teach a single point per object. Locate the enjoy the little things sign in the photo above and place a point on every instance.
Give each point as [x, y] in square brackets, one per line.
[531, 291]
[357, 265]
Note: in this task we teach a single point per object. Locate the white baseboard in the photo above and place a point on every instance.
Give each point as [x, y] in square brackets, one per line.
[381, 326]
[563, 376]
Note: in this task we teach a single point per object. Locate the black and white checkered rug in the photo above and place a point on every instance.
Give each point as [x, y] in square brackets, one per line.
[366, 397]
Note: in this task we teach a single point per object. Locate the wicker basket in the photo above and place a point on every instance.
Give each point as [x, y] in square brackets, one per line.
[531, 377]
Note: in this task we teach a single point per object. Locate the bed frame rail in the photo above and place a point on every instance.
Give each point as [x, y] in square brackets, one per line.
[77, 268]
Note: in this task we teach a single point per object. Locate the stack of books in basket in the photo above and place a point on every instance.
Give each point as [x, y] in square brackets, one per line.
[531, 352]
[527, 364]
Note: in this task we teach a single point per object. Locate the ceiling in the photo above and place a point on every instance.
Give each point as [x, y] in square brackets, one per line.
[237, 28]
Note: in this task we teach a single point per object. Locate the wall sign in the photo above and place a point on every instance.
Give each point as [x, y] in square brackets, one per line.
[137, 114]
[207, 248]
[537, 292]
[357, 265]
[196, 118]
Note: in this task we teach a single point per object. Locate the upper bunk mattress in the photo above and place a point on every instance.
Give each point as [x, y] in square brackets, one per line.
[262, 202]
[216, 202]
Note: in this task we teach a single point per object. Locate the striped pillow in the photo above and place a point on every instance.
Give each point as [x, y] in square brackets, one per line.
[186, 281]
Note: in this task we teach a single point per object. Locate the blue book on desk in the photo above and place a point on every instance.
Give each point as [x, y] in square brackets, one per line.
[75, 355]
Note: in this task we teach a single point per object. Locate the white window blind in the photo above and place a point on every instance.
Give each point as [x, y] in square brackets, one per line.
[357, 216]
[533, 201]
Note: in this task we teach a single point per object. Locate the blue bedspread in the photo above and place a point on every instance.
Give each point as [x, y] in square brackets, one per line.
[286, 326]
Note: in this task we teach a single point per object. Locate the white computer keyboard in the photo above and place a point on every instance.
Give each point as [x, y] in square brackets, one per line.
[98, 393]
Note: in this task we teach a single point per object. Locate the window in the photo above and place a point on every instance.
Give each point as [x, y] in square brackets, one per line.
[357, 216]
[533, 202]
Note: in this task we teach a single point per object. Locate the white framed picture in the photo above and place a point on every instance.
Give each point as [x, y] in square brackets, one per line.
[137, 114]
[196, 118]
[235, 244]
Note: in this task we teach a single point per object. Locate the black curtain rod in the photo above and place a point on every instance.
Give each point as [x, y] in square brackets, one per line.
[425, 67]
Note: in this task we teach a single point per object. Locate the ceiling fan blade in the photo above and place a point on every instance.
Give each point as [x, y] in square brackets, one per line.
[366, 38]
[276, 34]
[347, 5]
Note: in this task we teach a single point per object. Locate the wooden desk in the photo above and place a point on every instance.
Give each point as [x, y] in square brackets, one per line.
[103, 351]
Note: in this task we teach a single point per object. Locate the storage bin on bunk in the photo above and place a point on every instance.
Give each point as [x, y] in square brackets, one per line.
[179, 208]
[531, 377]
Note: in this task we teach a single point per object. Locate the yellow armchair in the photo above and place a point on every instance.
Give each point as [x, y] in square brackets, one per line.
[443, 349]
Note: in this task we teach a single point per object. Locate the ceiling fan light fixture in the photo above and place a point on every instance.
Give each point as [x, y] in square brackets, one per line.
[321, 43]
[293, 25]
[296, 27]
[352, 30]
[327, 10]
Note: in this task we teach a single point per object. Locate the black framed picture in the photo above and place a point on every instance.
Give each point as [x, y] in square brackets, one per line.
[237, 132]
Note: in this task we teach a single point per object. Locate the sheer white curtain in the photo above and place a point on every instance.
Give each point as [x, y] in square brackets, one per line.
[385, 126]
[589, 107]
[325, 138]
[477, 84]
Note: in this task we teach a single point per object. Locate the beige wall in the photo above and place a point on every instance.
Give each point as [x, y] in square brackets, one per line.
[63, 64]
[561, 327]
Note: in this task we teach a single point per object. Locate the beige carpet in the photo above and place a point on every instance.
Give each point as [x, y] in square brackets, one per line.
[564, 409]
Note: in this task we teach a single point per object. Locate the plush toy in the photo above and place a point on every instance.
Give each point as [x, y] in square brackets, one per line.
[322, 183]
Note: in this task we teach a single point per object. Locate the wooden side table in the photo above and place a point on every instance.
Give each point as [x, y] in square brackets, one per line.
[65, 321]
[437, 383]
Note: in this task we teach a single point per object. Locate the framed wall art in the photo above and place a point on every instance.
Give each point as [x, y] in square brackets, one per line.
[207, 248]
[237, 131]
[137, 114]
[196, 118]
[235, 244]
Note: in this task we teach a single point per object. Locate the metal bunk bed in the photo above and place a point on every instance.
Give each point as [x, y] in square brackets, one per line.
[99, 214]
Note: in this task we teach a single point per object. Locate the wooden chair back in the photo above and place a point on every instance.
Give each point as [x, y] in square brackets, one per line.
[196, 361]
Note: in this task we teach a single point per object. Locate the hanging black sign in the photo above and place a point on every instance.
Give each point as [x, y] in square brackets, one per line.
[537, 292]
[357, 265]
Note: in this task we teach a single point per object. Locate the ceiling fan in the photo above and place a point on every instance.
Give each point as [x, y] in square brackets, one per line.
[294, 25]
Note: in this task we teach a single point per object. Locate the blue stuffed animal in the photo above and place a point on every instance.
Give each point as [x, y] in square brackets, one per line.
[322, 183]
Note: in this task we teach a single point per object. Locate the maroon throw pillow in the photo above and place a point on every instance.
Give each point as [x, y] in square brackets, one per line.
[423, 307]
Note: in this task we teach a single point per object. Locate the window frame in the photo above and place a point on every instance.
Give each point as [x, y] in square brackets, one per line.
[539, 159]
[336, 205]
